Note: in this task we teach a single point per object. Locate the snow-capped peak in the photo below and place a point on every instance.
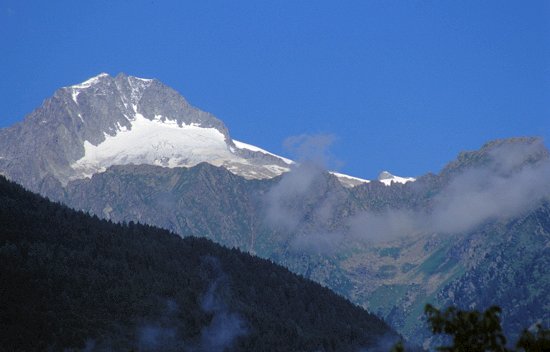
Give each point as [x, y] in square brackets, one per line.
[77, 88]
[161, 130]
[90, 82]
[387, 178]
[136, 84]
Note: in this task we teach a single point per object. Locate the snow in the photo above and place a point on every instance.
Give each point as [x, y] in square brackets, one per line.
[346, 180]
[75, 89]
[339, 175]
[386, 178]
[397, 179]
[162, 141]
[155, 142]
[242, 145]
[137, 86]
[277, 169]
[90, 82]
[74, 94]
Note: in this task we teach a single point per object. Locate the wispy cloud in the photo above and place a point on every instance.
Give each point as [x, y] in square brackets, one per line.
[514, 179]
[511, 178]
[303, 203]
[164, 332]
[161, 334]
[313, 149]
[284, 201]
[226, 326]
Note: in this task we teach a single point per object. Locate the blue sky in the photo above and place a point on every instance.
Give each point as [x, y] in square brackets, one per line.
[403, 85]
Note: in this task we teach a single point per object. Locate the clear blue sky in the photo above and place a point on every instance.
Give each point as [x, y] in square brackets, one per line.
[404, 85]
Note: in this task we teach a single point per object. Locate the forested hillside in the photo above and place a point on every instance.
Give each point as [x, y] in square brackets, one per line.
[71, 281]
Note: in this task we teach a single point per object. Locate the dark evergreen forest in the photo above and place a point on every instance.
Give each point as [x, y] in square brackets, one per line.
[70, 281]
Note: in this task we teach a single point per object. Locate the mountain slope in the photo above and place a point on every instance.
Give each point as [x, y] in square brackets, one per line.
[73, 281]
[85, 128]
[387, 248]
[391, 245]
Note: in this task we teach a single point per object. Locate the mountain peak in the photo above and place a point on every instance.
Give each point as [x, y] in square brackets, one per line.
[502, 155]
[105, 77]
[90, 81]
[119, 120]
[384, 175]
[387, 178]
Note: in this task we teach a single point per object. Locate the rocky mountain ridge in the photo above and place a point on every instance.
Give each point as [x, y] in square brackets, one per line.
[362, 242]
[469, 235]
[85, 128]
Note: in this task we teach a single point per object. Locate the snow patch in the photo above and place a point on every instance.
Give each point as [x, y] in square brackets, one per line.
[76, 88]
[346, 180]
[137, 87]
[155, 142]
[242, 145]
[277, 169]
[144, 79]
[351, 178]
[90, 82]
[74, 94]
[386, 178]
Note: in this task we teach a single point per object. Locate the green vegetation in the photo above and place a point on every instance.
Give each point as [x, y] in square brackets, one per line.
[437, 262]
[472, 331]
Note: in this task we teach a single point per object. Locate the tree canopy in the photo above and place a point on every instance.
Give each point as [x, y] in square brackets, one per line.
[474, 331]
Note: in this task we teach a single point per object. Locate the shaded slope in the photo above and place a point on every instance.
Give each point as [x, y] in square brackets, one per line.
[69, 279]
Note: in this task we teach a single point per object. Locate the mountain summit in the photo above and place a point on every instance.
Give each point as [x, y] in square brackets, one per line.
[159, 127]
[85, 128]
[386, 178]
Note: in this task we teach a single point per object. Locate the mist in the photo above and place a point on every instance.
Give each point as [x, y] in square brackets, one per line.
[226, 326]
[303, 204]
[512, 181]
[383, 344]
[509, 179]
[161, 334]
[284, 201]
